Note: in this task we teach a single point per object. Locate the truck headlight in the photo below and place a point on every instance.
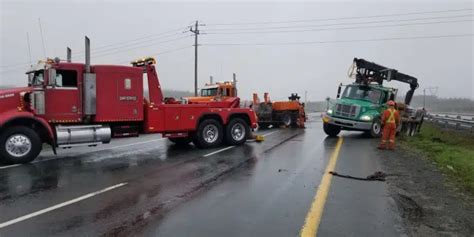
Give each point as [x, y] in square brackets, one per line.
[329, 111]
[366, 118]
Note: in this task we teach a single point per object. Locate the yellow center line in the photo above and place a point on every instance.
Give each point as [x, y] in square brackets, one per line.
[313, 218]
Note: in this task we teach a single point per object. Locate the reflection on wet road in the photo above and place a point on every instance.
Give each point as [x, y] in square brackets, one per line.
[257, 189]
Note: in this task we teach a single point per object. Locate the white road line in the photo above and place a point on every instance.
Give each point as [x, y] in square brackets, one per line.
[9, 166]
[221, 150]
[268, 134]
[229, 147]
[40, 212]
[133, 144]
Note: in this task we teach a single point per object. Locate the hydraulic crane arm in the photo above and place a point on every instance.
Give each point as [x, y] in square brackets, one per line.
[368, 72]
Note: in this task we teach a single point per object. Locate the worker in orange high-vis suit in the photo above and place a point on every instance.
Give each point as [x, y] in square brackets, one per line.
[390, 122]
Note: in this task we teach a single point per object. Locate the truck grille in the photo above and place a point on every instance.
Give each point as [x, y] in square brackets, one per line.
[350, 111]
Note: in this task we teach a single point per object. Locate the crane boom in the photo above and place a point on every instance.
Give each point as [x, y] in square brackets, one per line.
[371, 72]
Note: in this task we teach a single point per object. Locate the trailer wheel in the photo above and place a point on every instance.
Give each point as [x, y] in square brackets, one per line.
[286, 119]
[236, 132]
[180, 141]
[209, 134]
[19, 144]
[331, 130]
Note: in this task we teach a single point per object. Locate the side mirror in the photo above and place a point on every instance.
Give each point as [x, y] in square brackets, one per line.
[339, 91]
[52, 77]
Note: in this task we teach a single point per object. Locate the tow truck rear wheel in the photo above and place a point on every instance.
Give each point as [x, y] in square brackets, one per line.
[209, 134]
[236, 132]
[331, 130]
[19, 144]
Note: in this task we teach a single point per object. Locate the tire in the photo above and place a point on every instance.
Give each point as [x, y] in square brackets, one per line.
[286, 119]
[375, 129]
[180, 141]
[19, 144]
[209, 134]
[331, 130]
[236, 132]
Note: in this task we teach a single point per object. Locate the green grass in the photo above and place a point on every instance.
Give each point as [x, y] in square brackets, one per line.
[448, 149]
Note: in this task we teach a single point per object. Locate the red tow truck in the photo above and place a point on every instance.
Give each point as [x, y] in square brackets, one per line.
[71, 104]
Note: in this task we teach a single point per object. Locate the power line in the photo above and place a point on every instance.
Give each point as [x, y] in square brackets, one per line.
[107, 48]
[162, 34]
[110, 52]
[119, 46]
[328, 29]
[338, 24]
[164, 52]
[342, 18]
[339, 41]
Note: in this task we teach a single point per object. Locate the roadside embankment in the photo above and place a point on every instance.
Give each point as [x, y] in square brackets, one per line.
[452, 151]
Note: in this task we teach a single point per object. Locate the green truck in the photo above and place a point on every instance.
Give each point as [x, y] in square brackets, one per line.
[361, 104]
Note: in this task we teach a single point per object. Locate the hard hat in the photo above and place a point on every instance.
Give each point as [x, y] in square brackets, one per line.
[391, 103]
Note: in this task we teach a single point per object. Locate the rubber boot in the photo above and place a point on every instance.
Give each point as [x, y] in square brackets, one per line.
[381, 146]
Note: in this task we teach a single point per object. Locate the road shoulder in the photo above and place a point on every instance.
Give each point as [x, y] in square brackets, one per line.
[429, 203]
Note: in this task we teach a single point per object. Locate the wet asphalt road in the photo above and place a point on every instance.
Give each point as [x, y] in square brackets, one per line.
[149, 187]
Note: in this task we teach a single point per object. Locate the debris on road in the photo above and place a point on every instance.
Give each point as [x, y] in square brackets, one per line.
[377, 176]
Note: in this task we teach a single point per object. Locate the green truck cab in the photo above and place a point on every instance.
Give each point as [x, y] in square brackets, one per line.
[359, 108]
[361, 104]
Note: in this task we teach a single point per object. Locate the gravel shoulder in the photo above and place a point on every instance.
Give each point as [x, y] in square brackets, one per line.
[430, 203]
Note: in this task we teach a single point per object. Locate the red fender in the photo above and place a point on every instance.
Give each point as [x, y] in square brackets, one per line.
[11, 115]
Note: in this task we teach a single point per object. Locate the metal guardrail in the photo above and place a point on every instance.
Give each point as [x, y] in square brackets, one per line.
[456, 121]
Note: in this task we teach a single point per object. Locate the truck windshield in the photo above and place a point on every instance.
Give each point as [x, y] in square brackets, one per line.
[38, 78]
[360, 93]
[209, 92]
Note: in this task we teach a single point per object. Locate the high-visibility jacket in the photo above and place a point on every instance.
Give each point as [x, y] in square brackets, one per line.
[390, 116]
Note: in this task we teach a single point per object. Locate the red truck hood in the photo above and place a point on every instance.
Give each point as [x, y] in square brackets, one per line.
[10, 98]
[14, 90]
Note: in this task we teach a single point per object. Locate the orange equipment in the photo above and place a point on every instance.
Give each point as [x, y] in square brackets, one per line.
[390, 122]
[276, 113]
[219, 91]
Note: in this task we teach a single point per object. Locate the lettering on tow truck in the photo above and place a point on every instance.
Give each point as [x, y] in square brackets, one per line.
[127, 98]
[7, 96]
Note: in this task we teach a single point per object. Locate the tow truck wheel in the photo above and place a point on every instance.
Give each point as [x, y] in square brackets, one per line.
[236, 132]
[331, 130]
[209, 134]
[376, 128]
[180, 141]
[19, 145]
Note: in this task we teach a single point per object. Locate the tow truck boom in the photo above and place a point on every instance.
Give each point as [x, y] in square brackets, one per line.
[371, 72]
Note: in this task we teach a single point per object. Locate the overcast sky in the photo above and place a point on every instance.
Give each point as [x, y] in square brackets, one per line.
[276, 61]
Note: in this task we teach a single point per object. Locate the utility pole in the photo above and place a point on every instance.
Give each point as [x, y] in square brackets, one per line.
[424, 94]
[196, 33]
[424, 98]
